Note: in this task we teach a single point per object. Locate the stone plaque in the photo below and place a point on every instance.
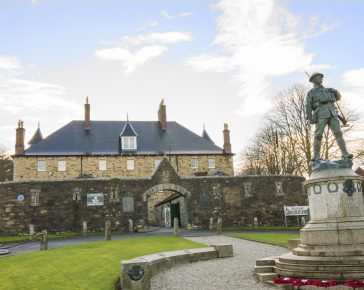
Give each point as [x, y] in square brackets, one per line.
[136, 272]
[128, 204]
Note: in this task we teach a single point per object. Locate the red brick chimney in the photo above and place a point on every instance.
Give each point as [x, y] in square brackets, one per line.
[227, 145]
[162, 115]
[20, 133]
[87, 122]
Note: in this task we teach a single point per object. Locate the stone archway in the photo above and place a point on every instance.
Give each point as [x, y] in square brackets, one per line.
[165, 195]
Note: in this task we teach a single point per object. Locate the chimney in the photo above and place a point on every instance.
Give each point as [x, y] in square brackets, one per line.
[20, 133]
[162, 115]
[87, 123]
[227, 145]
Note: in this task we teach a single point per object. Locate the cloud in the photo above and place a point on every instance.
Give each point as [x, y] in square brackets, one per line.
[155, 44]
[166, 14]
[147, 25]
[257, 41]
[353, 88]
[131, 61]
[163, 38]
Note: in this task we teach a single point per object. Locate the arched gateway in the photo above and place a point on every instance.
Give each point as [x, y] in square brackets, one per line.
[165, 202]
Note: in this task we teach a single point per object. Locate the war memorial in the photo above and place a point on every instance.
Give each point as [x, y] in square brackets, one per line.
[331, 245]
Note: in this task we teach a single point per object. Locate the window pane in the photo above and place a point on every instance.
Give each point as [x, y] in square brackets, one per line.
[41, 165]
[211, 163]
[62, 165]
[194, 163]
[102, 165]
[130, 164]
[157, 162]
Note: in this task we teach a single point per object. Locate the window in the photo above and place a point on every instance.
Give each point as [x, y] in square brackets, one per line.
[211, 163]
[129, 143]
[34, 197]
[279, 188]
[128, 204]
[102, 164]
[157, 162]
[194, 163]
[41, 165]
[248, 189]
[129, 164]
[62, 165]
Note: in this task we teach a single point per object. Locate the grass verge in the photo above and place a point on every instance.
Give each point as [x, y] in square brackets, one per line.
[94, 265]
[265, 228]
[279, 239]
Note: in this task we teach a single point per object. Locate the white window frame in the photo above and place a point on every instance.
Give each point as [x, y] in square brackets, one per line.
[129, 143]
[157, 162]
[130, 164]
[62, 165]
[42, 165]
[102, 165]
[194, 163]
[211, 163]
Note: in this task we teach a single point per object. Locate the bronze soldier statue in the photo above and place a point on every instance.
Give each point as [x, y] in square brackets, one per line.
[321, 110]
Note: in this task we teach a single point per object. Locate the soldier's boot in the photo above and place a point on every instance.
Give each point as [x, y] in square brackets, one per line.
[342, 145]
[316, 149]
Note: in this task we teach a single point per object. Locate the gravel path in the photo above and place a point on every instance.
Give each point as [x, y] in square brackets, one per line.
[236, 273]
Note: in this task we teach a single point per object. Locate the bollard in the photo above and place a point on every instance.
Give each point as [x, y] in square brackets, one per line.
[130, 224]
[44, 241]
[107, 231]
[84, 228]
[31, 232]
[211, 224]
[219, 226]
[175, 227]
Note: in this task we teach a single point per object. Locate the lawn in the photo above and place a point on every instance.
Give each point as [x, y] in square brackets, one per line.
[16, 239]
[94, 265]
[280, 239]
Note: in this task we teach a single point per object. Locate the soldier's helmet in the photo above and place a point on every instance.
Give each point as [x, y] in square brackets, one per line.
[315, 74]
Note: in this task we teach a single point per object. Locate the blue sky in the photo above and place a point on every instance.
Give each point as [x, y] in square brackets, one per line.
[213, 62]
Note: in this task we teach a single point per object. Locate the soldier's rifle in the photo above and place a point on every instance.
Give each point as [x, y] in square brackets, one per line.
[341, 117]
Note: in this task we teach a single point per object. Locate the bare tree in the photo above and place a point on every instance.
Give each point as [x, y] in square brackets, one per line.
[283, 145]
[6, 165]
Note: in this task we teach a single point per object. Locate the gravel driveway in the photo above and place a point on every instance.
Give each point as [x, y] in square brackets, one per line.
[220, 274]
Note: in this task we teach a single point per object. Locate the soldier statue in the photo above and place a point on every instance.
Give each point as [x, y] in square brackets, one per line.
[321, 110]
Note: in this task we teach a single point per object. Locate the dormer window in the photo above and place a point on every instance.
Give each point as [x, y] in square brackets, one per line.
[129, 143]
[128, 138]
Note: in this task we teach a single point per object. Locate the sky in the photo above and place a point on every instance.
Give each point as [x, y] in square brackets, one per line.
[213, 62]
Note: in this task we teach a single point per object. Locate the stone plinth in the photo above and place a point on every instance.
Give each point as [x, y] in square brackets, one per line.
[332, 243]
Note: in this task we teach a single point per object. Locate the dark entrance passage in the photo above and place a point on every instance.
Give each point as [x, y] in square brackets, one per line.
[175, 212]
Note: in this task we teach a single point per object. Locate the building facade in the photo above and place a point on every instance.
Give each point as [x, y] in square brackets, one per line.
[119, 149]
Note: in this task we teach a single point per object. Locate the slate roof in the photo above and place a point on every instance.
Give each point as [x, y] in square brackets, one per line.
[36, 137]
[128, 130]
[104, 139]
[206, 136]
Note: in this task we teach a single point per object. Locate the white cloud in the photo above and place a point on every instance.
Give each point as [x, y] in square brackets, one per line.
[353, 88]
[161, 37]
[156, 44]
[258, 41]
[169, 16]
[147, 25]
[131, 61]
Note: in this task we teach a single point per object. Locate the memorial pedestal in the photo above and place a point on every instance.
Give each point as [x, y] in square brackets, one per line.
[332, 243]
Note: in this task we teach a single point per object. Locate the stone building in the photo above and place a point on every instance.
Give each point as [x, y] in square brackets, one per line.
[116, 149]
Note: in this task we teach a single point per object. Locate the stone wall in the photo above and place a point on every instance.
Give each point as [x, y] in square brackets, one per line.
[62, 205]
[25, 167]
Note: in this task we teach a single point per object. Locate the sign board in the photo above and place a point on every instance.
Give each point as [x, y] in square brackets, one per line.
[20, 197]
[95, 199]
[296, 210]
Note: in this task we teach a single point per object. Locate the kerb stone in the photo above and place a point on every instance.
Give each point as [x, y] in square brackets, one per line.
[223, 250]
